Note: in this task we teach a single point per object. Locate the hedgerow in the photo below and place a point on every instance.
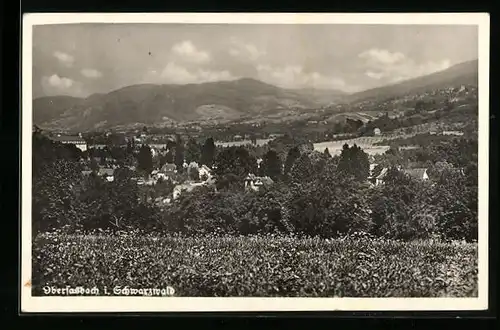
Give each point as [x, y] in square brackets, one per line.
[264, 265]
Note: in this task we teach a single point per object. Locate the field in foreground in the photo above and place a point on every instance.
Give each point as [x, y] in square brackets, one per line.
[257, 266]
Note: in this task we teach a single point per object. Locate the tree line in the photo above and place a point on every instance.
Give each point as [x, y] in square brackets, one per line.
[313, 194]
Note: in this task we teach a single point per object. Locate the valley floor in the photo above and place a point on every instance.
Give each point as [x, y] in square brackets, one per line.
[257, 266]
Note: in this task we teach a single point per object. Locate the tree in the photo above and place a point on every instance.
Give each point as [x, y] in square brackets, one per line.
[145, 159]
[203, 211]
[318, 161]
[253, 139]
[56, 189]
[419, 106]
[179, 153]
[471, 175]
[354, 161]
[235, 160]
[168, 157]
[329, 208]
[448, 105]
[193, 151]
[47, 151]
[208, 152]
[327, 153]
[193, 171]
[170, 145]
[110, 204]
[94, 166]
[130, 147]
[271, 165]
[291, 157]
[302, 169]
[455, 195]
[234, 163]
[403, 207]
[440, 170]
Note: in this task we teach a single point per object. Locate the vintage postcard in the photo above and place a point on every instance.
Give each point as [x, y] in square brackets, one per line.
[254, 162]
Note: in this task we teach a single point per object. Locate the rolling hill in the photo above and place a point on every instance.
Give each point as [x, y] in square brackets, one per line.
[221, 101]
[321, 96]
[51, 107]
[150, 103]
[465, 73]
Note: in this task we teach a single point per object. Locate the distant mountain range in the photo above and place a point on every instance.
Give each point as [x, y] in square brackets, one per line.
[223, 100]
[465, 73]
[150, 103]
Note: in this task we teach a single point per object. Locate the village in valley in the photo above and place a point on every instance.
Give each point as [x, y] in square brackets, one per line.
[203, 173]
[188, 173]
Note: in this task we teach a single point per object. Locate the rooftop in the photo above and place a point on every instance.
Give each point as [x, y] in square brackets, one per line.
[416, 172]
[258, 179]
[383, 173]
[106, 171]
[169, 167]
[205, 167]
[68, 138]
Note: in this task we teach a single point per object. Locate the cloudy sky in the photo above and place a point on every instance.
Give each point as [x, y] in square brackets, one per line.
[81, 59]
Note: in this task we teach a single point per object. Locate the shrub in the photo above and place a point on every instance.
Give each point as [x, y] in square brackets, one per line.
[234, 212]
[329, 208]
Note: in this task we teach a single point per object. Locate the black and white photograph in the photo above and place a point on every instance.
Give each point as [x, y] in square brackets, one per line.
[254, 162]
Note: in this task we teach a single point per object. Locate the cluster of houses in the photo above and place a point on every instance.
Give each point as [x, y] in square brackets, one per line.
[205, 177]
[166, 172]
[76, 140]
[378, 174]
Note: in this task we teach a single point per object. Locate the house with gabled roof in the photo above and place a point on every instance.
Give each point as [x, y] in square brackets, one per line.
[169, 168]
[255, 183]
[86, 173]
[107, 173]
[417, 173]
[456, 133]
[379, 179]
[376, 174]
[190, 186]
[205, 172]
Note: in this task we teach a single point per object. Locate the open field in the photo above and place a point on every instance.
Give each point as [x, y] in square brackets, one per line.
[367, 143]
[257, 266]
[335, 147]
[260, 142]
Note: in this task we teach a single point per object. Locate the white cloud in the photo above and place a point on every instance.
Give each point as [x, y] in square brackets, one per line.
[374, 75]
[56, 85]
[59, 82]
[91, 73]
[64, 58]
[174, 73]
[382, 56]
[245, 50]
[293, 76]
[395, 66]
[187, 51]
